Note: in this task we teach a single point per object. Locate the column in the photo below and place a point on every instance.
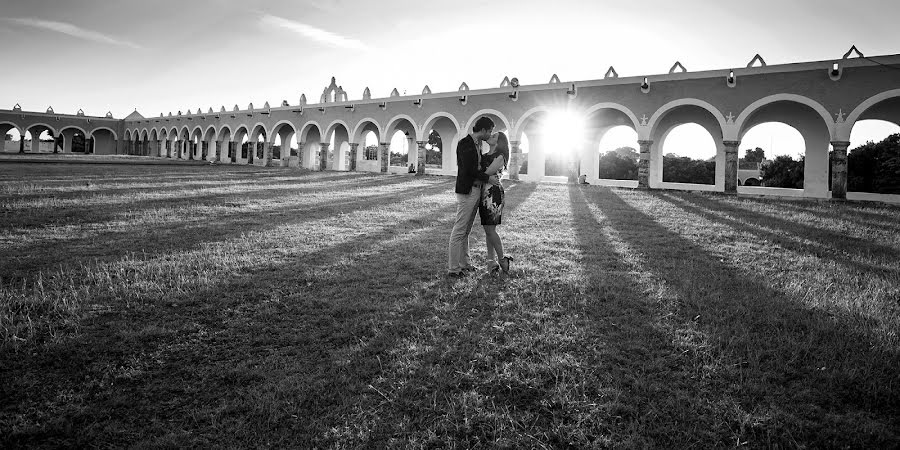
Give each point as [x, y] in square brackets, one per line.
[353, 150]
[515, 160]
[731, 166]
[323, 155]
[267, 154]
[384, 150]
[67, 142]
[644, 165]
[839, 170]
[420, 158]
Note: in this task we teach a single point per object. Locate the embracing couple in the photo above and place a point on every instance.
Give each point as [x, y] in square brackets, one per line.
[478, 190]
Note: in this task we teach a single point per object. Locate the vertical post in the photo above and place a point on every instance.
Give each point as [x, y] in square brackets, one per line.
[22, 143]
[644, 165]
[420, 158]
[384, 149]
[267, 154]
[323, 155]
[67, 142]
[839, 170]
[731, 166]
[515, 160]
[353, 151]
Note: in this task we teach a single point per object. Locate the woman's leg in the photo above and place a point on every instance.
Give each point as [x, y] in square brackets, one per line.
[491, 254]
[495, 245]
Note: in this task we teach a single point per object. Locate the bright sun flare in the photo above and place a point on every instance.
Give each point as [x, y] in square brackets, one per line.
[565, 129]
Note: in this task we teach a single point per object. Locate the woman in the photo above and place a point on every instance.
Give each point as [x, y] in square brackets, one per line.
[491, 206]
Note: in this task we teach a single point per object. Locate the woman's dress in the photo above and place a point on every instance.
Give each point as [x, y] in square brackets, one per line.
[491, 206]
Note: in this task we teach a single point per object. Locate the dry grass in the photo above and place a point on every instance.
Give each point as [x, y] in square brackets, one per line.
[234, 306]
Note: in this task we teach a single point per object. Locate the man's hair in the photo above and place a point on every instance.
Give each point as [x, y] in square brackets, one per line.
[482, 124]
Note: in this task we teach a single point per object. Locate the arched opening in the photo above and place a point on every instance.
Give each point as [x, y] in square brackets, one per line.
[310, 145]
[402, 147]
[12, 137]
[73, 140]
[257, 145]
[689, 155]
[196, 144]
[242, 146]
[338, 151]
[209, 151]
[800, 162]
[285, 149]
[145, 143]
[687, 149]
[102, 141]
[618, 154]
[173, 144]
[442, 135]
[155, 149]
[41, 138]
[227, 152]
[611, 151]
[873, 158]
[540, 157]
[184, 151]
[368, 156]
[398, 150]
[773, 149]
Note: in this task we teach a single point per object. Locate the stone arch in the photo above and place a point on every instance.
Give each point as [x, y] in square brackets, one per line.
[42, 124]
[220, 135]
[254, 134]
[361, 127]
[808, 118]
[331, 127]
[862, 109]
[392, 126]
[668, 107]
[11, 126]
[450, 132]
[523, 121]
[635, 122]
[311, 125]
[277, 128]
[91, 135]
[739, 123]
[488, 112]
[675, 114]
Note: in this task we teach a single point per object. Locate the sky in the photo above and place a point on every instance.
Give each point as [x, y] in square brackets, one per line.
[165, 55]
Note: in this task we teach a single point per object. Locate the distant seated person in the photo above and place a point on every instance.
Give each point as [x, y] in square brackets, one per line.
[412, 168]
[582, 179]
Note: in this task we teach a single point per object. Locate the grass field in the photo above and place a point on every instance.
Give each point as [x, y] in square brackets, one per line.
[169, 306]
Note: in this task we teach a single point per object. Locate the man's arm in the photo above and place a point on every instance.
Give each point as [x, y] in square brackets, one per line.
[467, 162]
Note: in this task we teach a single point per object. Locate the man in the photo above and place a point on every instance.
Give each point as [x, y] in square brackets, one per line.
[469, 180]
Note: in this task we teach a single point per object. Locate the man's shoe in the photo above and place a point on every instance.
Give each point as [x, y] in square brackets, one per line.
[455, 274]
[469, 269]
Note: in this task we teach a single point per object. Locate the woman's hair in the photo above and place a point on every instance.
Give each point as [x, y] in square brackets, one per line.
[503, 147]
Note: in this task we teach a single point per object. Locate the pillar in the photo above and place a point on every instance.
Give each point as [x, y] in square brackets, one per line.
[353, 151]
[323, 155]
[384, 150]
[839, 170]
[267, 154]
[515, 160]
[731, 166]
[644, 165]
[22, 143]
[420, 158]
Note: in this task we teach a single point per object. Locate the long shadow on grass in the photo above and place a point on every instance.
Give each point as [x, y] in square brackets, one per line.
[162, 183]
[28, 260]
[35, 217]
[274, 354]
[784, 364]
[834, 252]
[828, 242]
[859, 214]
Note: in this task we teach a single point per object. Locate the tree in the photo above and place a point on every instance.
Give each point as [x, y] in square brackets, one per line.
[619, 164]
[757, 155]
[433, 155]
[8, 137]
[681, 169]
[783, 172]
[875, 167]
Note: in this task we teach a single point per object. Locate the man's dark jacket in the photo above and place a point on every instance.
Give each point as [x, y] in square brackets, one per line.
[467, 164]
